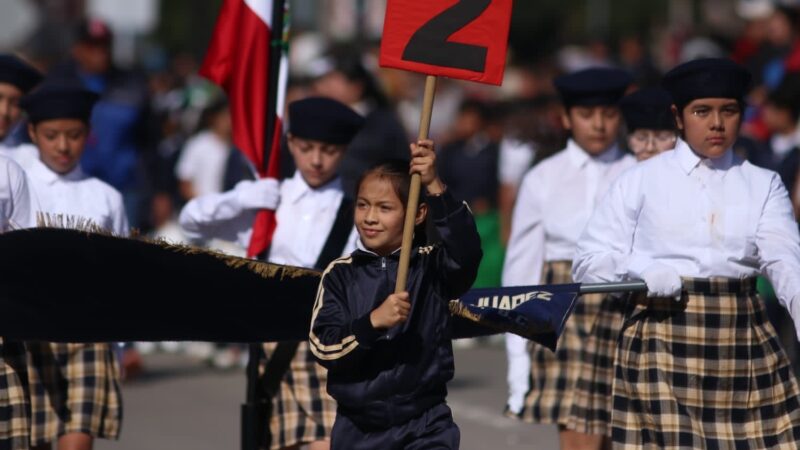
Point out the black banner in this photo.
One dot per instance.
(71, 286)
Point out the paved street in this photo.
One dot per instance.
(180, 405)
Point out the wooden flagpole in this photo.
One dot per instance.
(413, 192)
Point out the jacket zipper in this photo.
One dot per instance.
(383, 263)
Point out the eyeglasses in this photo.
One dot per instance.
(645, 137)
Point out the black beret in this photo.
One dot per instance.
(324, 119)
(59, 100)
(707, 78)
(15, 71)
(93, 31)
(595, 86)
(648, 108)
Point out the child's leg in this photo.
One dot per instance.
(75, 441)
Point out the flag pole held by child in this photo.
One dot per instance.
(413, 192)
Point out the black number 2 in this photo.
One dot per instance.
(429, 44)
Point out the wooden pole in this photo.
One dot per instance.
(413, 191)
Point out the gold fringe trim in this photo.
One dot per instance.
(69, 222)
(261, 268)
(460, 310)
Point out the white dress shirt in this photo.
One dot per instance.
(554, 203)
(305, 217)
(704, 218)
(17, 205)
(23, 154)
(78, 195)
(202, 162)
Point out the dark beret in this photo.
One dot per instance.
(93, 31)
(324, 119)
(648, 108)
(59, 100)
(18, 73)
(591, 87)
(707, 78)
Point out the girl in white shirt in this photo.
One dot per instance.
(75, 391)
(554, 203)
(698, 365)
(651, 130)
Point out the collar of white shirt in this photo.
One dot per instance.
(41, 172)
(298, 187)
(580, 158)
(689, 160)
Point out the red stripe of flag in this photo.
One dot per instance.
(238, 60)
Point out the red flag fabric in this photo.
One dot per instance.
(238, 60)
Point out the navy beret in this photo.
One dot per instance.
(707, 78)
(93, 31)
(15, 71)
(59, 100)
(591, 87)
(648, 108)
(324, 119)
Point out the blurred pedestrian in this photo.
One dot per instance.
(554, 203)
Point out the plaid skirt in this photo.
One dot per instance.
(554, 375)
(591, 407)
(15, 411)
(302, 412)
(74, 389)
(705, 372)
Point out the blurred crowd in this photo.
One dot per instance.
(161, 134)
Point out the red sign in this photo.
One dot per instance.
(464, 39)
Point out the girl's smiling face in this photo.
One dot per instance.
(380, 214)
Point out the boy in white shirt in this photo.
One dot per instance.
(314, 227)
(554, 203)
(75, 392)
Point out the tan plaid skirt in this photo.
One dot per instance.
(706, 372)
(15, 409)
(555, 375)
(74, 389)
(302, 412)
(591, 406)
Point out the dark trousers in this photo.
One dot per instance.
(433, 429)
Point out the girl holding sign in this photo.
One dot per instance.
(698, 364)
(555, 201)
(389, 355)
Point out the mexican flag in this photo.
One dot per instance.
(247, 58)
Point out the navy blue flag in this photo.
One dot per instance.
(537, 313)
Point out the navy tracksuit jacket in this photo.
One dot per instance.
(386, 378)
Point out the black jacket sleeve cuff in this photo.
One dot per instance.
(365, 333)
(441, 206)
